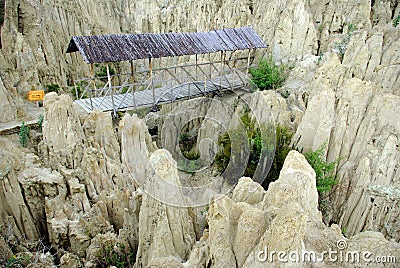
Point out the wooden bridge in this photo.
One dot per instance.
(153, 87)
(154, 92)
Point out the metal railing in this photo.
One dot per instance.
(171, 80)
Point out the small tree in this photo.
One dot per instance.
(24, 133)
(268, 75)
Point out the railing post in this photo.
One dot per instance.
(133, 83)
(248, 63)
(220, 74)
(209, 60)
(151, 80)
(205, 85)
(94, 82)
(76, 91)
(111, 90)
(93, 78)
(196, 67)
(90, 97)
(132, 74)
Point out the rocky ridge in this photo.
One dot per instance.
(81, 212)
(35, 34)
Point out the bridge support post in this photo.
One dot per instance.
(248, 63)
(111, 89)
(94, 82)
(209, 61)
(221, 73)
(151, 80)
(196, 68)
(133, 84)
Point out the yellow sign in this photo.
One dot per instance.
(36, 95)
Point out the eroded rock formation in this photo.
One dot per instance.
(357, 120)
(80, 195)
(98, 206)
(35, 33)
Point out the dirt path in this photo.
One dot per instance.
(31, 119)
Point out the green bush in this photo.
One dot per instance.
(342, 45)
(102, 72)
(53, 88)
(187, 145)
(79, 89)
(18, 261)
(109, 255)
(40, 121)
(24, 133)
(257, 145)
(283, 138)
(324, 171)
(268, 75)
(396, 21)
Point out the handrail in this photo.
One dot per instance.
(175, 79)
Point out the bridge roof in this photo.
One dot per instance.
(124, 47)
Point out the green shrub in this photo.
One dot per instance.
(79, 89)
(190, 152)
(268, 75)
(396, 21)
(342, 45)
(109, 255)
(53, 88)
(40, 121)
(102, 72)
(324, 171)
(24, 133)
(283, 138)
(18, 261)
(257, 146)
(191, 166)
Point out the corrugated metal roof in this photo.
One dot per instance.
(123, 47)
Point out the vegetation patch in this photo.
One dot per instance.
(114, 255)
(190, 162)
(324, 171)
(78, 91)
(324, 174)
(24, 134)
(53, 88)
(261, 144)
(102, 72)
(40, 122)
(268, 75)
(342, 45)
(396, 21)
(283, 138)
